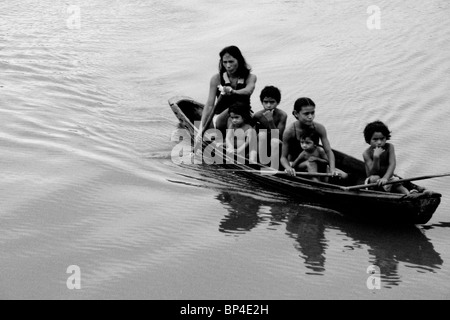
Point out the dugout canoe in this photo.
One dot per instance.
(369, 205)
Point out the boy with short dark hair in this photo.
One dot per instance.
(268, 119)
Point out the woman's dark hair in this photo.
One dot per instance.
(270, 92)
(312, 134)
(376, 126)
(243, 68)
(303, 102)
(243, 110)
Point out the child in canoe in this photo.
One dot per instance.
(268, 119)
(380, 159)
(241, 136)
(304, 112)
(313, 158)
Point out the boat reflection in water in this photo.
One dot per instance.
(314, 230)
(388, 246)
(308, 226)
(243, 212)
(308, 229)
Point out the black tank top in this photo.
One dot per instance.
(226, 101)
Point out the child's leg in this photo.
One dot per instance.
(275, 146)
(373, 179)
(309, 166)
(305, 164)
(252, 154)
(262, 147)
(400, 189)
(302, 161)
(313, 168)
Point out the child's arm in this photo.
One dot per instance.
(373, 163)
(229, 140)
(269, 121)
(368, 162)
(241, 149)
(391, 167)
(248, 139)
(327, 147)
(288, 139)
(282, 124)
(322, 157)
(299, 160)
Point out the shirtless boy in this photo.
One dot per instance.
(269, 119)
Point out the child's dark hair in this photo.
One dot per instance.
(242, 109)
(376, 126)
(270, 92)
(303, 102)
(312, 134)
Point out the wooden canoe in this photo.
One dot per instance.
(374, 206)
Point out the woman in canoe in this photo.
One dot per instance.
(233, 83)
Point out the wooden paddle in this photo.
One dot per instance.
(362, 186)
(211, 115)
(300, 173)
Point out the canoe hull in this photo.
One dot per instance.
(368, 205)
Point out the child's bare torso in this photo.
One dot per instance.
(240, 134)
(384, 160)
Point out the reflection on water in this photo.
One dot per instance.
(437, 225)
(308, 230)
(387, 247)
(243, 212)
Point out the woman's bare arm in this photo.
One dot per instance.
(326, 146)
(213, 83)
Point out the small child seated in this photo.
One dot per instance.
(313, 158)
(241, 137)
(380, 159)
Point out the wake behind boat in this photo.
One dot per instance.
(370, 205)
